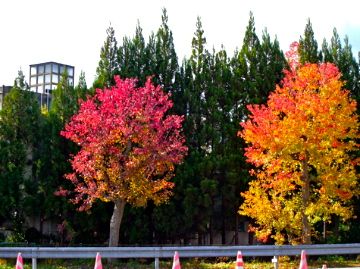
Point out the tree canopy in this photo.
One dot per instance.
(129, 147)
(301, 143)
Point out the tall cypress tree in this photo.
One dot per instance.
(166, 58)
(81, 89)
(192, 181)
(272, 63)
(350, 70)
(335, 47)
(132, 57)
(247, 67)
(150, 59)
(219, 127)
(325, 53)
(161, 63)
(156, 58)
(19, 136)
(343, 58)
(108, 63)
(257, 68)
(173, 221)
(197, 92)
(308, 47)
(64, 102)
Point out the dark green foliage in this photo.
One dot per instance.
(196, 92)
(325, 53)
(33, 160)
(272, 63)
(108, 64)
(20, 113)
(342, 57)
(11, 179)
(246, 66)
(132, 57)
(308, 48)
(257, 68)
(216, 91)
(197, 204)
(81, 90)
(19, 132)
(64, 102)
(166, 60)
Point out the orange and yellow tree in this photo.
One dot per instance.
(301, 144)
(129, 145)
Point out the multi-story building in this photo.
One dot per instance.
(44, 78)
(4, 90)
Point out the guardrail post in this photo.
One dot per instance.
(34, 255)
(157, 263)
(275, 262)
(34, 263)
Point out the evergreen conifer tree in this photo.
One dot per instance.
(81, 90)
(108, 64)
(132, 57)
(19, 137)
(247, 67)
(342, 56)
(166, 58)
(308, 47)
(64, 100)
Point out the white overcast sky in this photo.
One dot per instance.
(73, 31)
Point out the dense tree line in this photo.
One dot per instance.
(211, 88)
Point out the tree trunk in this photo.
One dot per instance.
(236, 229)
(223, 223)
(306, 230)
(211, 232)
(115, 222)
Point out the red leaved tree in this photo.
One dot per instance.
(129, 146)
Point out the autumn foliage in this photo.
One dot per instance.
(301, 144)
(129, 145)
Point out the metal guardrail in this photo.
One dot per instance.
(167, 252)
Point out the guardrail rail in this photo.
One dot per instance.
(36, 253)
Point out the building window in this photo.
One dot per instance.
(47, 78)
(71, 71)
(55, 68)
(40, 79)
(33, 70)
(32, 80)
(40, 69)
(55, 78)
(48, 68)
